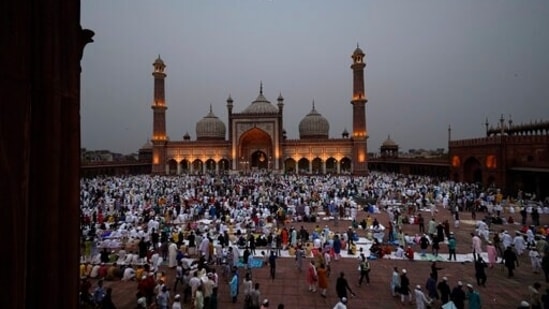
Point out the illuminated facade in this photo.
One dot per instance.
(254, 139)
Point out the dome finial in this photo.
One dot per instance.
(260, 87)
(313, 104)
(211, 108)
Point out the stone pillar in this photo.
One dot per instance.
(338, 165)
(40, 157)
(323, 166)
(178, 168)
(310, 166)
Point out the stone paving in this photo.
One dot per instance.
(290, 287)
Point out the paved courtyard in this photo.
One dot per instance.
(290, 287)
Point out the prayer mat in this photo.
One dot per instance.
(252, 263)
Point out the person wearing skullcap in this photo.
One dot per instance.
(473, 297)
(422, 301)
(444, 290)
(458, 296)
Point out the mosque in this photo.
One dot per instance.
(254, 139)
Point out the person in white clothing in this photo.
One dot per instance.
(519, 243)
(342, 304)
(422, 301)
(177, 302)
(129, 274)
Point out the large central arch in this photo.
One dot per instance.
(472, 170)
(255, 149)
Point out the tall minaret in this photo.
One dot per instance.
(159, 108)
(360, 135)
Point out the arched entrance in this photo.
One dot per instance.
(317, 166)
(303, 166)
(172, 167)
(345, 165)
(223, 165)
(259, 160)
(185, 166)
(210, 166)
(197, 166)
(331, 165)
(289, 165)
(255, 150)
(472, 171)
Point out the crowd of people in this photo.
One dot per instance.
(131, 226)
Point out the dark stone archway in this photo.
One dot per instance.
(255, 149)
(472, 170)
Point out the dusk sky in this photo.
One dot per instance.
(430, 64)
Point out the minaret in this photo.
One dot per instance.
(359, 135)
(159, 108)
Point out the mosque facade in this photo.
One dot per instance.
(254, 139)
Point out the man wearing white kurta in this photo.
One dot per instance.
(519, 243)
(172, 255)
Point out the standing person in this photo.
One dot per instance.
(163, 298)
(272, 264)
(247, 287)
(322, 280)
(431, 286)
(177, 302)
(178, 276)
(473, 297)
(364, 270)
(342, 286)
(423, 244)
(312, 276)
(233, 284)
(395, 282)
(519, 243)
(492, 254)
(458, 296)
(254, 297)
(535, 260)
(434, 270)
(299, 256)
(405, 288)
(510, 259)
(421, 300)
(476, 243)
(199, 299)
(444, 289)
(421, 223)
(480, 273)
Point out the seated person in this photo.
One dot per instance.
(375, 249)
(409, 253)
(399, 252)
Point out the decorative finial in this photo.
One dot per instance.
(357, 45)
(313, 104)
(260, 87)
(211, 108)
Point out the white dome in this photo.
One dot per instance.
(314, 125)
(261, 105)
(210, 127)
